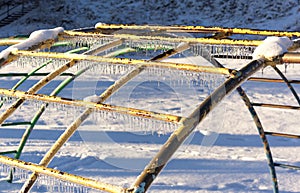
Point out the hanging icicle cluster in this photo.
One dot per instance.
(33, 62)
(19, 174)
(150, 44)
(91, 42)
(112, 121)
(7, 99)
(102, 68)
(54, 185)
(223, 51)
(176, 78)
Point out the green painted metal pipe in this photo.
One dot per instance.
(8, 152)
(15, 123)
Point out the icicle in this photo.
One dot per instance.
(7, 99)
(105, 68)
(56, 185)
(92, 42)
(123, 122)
(29, 61)
(18, 174)
(4, 169)
(237, 52)
(149, 44)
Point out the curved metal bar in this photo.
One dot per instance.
(262, 137)
(156, 165)
(256, 121)
(287, 83)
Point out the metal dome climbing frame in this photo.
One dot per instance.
(101, 45)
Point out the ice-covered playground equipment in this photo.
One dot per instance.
(105, 45)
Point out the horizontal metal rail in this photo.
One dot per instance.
(291, 57)
(15, 123)
(80, 103)
(16, 40)
(86, 182)
(289, 85)
(69, 34)
(131, 62)
(282, 135)
(15, 74)
(276, 106)
(200, 29)
(287, 166)
(9, 42)
(259, 79)
(8, 152)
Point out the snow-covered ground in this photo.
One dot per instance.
(224, 154)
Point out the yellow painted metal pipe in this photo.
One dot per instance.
(291, 57)
(86, 182)
(69, 34)
(201, 29)
(92, 105)
(126, 61)
(8, 42)
(260, 79)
